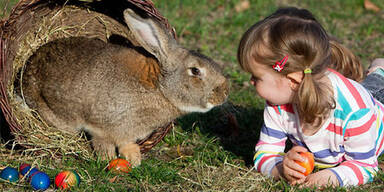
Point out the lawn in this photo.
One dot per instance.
(205, 152)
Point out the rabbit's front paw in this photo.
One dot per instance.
(104, 149)
(131, 152)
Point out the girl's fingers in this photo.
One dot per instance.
(291, 174)
(294, 166)
(290, 162)
(292, 170)
(297, 181)
(295, 156)
(308, 184)
(294, 174)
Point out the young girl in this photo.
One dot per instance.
(289, 55)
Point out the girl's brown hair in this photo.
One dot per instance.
(296, 33)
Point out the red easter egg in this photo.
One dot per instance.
(24, 165)
(119, 165)
(308, 164)
(67, 179)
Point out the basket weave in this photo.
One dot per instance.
(31, 24)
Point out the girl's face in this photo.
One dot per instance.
(270, 85)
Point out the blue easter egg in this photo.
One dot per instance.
(30, 173)
(9, 173)
(40, 181)
(24, 170)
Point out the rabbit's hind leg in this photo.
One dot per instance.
(131, 151)
(52, 119)
(34, 100)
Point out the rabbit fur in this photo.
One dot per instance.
(120, 94)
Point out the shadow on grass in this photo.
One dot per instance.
(236, 127)
(5, 131)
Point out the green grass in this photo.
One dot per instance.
(211, 155)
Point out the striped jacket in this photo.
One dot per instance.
(348, 143)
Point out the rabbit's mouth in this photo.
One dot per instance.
(201, 109)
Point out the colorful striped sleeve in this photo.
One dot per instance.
(360, 165)
(271, 144)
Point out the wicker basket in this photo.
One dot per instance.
(33, 23)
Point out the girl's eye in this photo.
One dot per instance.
(195, 71)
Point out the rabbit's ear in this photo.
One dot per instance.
(149, 33)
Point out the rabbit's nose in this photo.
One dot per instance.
(220, 93)
(225, 86)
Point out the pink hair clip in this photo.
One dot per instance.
(279, 65)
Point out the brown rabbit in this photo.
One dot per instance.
(120, 94)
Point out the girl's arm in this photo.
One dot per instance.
(360, 160)
(269, 150)
(270, 155)
(360, 135)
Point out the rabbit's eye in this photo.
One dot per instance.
(195, 71)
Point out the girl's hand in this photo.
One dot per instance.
(292, 171)
(322, 178)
